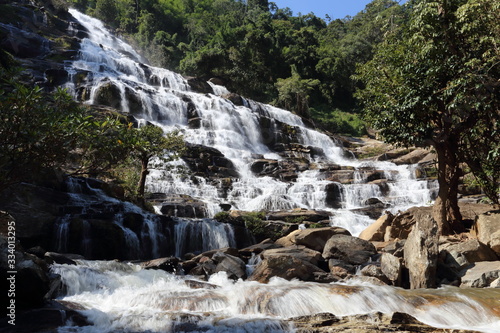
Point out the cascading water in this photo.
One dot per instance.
(164, 98)
(122, 297)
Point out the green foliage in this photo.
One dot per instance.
(50, 131)
(336, 121)
(261, 51)
(293, 93)
(255, 223)
(223, 217)
(433, 83)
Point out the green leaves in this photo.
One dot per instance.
(437, 83)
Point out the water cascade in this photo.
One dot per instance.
(261, 158)
(124, 298)
(243, 136)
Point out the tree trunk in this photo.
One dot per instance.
(142, 180)
(446, 211)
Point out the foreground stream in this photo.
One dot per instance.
(120, 297)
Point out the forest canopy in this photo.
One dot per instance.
(300, 62)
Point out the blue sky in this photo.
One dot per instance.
(334, 8)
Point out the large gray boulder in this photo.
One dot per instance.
(233, 266)
(461, 254)
(352, 250)
(421, 253)
(285, 266)
(482, 274)
(487, 230)
(299, 252)
(392, 268)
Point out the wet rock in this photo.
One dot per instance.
(375, 272)
(232, 265)
(352, 250)
(365, 323)
(482, 275)
(421, 253)
(30, 282)
(58, 258)
(286, 267)
(334, 195)
(313, 238)
(487, 230)
(183, 206)
(300, 215)
(199, 85)
(47, 319)
(169, 264)
(108, 94)
(208, 162)
(234, 98)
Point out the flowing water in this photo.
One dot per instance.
(124, 298)
(164, 98)
(120, 297)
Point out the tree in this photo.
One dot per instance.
(41, 131)
(148, 142)
(294, 93)
(436, 84)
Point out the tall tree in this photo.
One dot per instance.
(434, 86)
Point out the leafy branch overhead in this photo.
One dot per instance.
(44, 131)
(435, 83)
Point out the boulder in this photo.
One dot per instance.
(286, 267)
(375, 322)
(30, 282)
(300, 215)
(458, 255)
(415, 156)
(208, 162)
(391, 267)
(376, 231)
(352, 250)
(300, 252)
(421, 253)
(487, 230)
(109, 94)
(481, 275)
(232, 265)
(168, 264)
(234, 98)
(313, 238)
(334, 194)
(183, 206)
(403, 223)
(374, 271)
(199, 85)
(395, 248)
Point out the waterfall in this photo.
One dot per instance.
(242, 134)
(197, 236)
(123, 297)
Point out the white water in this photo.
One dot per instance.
(238, 134)
(122, 297)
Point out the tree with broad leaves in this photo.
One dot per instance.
(436, 83)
